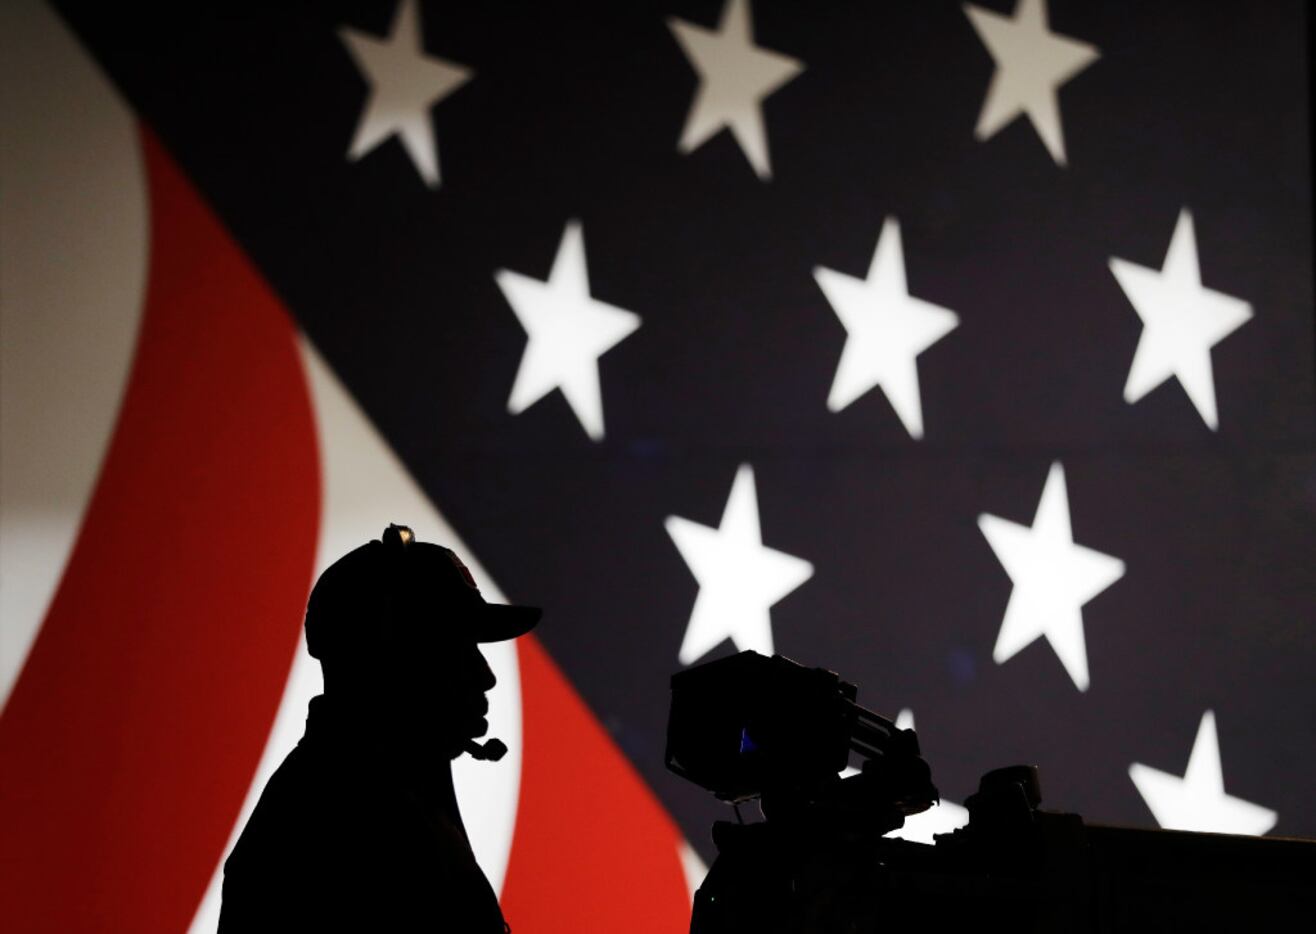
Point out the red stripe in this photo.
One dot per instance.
(593, 849)
(134, 730)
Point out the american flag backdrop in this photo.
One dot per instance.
(965, 349)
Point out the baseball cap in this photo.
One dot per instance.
(414, 591)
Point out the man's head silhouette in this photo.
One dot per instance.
(396, 625)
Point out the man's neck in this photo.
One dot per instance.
(392, 746)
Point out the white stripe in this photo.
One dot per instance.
(73, 225)
(692, 866)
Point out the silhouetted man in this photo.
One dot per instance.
(359, 829)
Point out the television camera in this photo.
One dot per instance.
(750, 727)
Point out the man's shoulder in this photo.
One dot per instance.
(281, 814)
(317, 805)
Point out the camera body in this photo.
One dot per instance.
(751, 726)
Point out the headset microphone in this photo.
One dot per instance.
(489, 751)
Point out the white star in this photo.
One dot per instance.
(404, 84)
(1198, 800)
(886, 328)
(1181, 322)
(739, 579)
(734, 77)
(942, 817)
(1053, 578)
(568, 331)
(1031, 64)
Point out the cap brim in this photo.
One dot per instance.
(498, 622)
